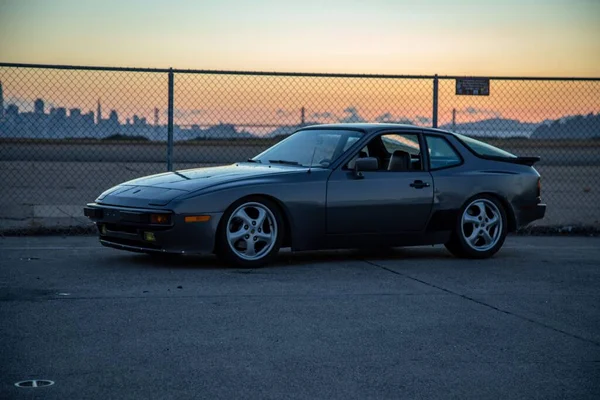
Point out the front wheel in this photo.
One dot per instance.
(480, 230)
(251, 233)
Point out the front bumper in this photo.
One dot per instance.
(128, 229)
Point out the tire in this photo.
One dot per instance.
(480, 229)
(250, 233)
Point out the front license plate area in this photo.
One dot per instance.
(136, 217)
(95, 213)
(111, 215)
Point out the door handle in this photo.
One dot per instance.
(419, 184)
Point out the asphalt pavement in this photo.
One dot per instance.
(411, 323)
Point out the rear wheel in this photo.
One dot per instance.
(250, 234)
(480, 230)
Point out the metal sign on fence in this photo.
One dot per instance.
(473, 87)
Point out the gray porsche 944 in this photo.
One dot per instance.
(330, 186)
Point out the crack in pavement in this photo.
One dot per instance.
(471, 299)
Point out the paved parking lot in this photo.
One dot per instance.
(409, 323)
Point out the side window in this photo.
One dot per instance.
(403, 142)
(395, 152)
(402, 152)
(441, 153)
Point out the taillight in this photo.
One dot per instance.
(539, 187)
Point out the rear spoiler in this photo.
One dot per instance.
(526, 160)
(515, 160)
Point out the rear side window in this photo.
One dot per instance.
(483, 149)
(441, 153)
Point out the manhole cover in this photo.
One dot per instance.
(34, 383)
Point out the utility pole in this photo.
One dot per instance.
(1, 102)
(171, 82)
(453, 118)
(434, 117)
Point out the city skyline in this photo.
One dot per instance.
(241, 99)
(72, 123)
(206, 98)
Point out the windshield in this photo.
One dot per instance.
(483, 149)
(310, 148)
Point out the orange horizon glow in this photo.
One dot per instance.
(211, 99)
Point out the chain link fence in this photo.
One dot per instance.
(69, 133)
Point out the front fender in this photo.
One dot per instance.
(303, 199)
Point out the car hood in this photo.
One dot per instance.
(158, 190)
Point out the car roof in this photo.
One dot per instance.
(369, 127)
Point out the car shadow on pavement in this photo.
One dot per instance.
(289, 258)
(397, 253)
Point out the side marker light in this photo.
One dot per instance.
(197, 218)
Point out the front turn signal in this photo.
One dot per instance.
(197, 218)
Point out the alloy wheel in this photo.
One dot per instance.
(481, 225)
(251, 231)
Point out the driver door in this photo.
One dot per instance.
(385, 201)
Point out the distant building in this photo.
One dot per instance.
(113, 117)
(59, 113)
(12, 110)
(111, 126)
(89, 119)
(139, 121)
(12, 113)
(38, 106)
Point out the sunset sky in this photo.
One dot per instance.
(459, 37)
(467, 37)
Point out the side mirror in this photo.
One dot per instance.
(365, 164)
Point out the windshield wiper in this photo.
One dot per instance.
(284, 162)
(254, 161)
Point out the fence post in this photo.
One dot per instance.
(170, 123)
(434, 117)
